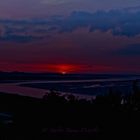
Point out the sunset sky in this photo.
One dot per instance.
(70, 36)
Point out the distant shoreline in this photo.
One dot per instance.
(29, 88)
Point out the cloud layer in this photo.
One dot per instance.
(119, 22)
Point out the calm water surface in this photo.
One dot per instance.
(89, 88)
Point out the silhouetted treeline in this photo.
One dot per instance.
(66, 116)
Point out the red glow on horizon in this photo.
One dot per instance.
(62, 68)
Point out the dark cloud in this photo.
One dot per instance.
(121, 23)
(22, 31)
(124, 22)
(19, 38)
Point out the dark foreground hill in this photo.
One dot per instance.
(66, 117)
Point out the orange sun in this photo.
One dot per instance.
(59, 68)
(64, 69)
(63, 72)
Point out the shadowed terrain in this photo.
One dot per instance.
(66, 116)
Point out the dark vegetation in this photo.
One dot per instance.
(65, 116)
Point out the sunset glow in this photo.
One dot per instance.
(70, 36)
(62, 68)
